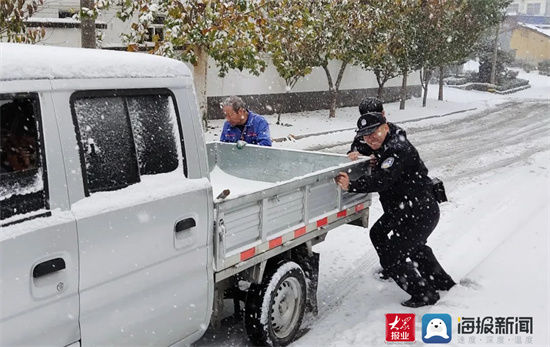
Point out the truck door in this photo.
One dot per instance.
(38, 244)
(142, 223)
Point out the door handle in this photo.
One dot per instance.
(48, 267)
(185, 224)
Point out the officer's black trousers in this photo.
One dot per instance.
(410, 228)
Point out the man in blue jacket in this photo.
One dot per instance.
(242, 124)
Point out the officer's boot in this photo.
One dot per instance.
(431, 270)
(382, 274)
(442, 281)
(422, 293)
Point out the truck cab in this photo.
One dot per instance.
(106, 206)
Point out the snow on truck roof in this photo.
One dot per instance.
(22, 62)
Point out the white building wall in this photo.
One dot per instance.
(51, 8)
(62, 37)
(522, 7)
(269, 82)
(70, 37)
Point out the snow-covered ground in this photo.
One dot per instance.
(492, 236)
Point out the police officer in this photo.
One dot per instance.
(411, 212)
(359, 147)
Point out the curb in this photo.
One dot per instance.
(513, 90)
(291, 137)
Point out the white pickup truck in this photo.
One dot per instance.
(111, 232)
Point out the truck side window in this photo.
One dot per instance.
(106, 143)
(155, 132)
(125, 135)
(22, 164)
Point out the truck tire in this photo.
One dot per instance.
(275, 308)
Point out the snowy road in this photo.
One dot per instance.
(481, 142)
(492, 236)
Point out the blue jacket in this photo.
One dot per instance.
(256, 131)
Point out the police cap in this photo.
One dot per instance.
(369, 122)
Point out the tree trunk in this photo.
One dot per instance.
(380, 93)
(426, 75)
(333, 88)
(381, 81)
(495, 53)
(403, 94)
(87, 26)
(337, 88)
(424, 96)
(333, 101)
(200, 74)
(441, 70)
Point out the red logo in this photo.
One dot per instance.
(400, 327)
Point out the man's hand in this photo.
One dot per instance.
(342, 180)
(353, 155)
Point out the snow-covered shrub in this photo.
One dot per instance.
(544, 67)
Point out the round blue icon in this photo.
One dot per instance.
(436, 328)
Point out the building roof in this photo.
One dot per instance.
(46, 22)
(530, 19)
(543, 29)
(21, 61)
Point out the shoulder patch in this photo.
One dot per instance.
(386, 164)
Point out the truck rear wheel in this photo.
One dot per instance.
(274, 309)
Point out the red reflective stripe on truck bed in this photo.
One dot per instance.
(299, 232)
(290, 235)
(249, 253)
(276, 242)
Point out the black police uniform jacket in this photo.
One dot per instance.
(399, 176)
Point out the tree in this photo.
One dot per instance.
(375, 47)
(447, 30)
(226, 31)
(342, 35)
(290, 38)
(435, 32)
(89, 11)
(302, 35)
(87, 24)
(405, 17)
(486, 68)
(469, 20)
(13, 14)
(384, 68)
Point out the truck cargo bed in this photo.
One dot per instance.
(276, 195)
